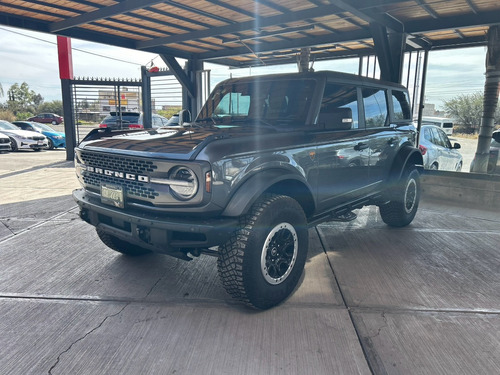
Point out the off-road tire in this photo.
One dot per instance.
(263, 261)
(123, 247)
(404, 199)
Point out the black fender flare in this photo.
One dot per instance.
(252, 188)
(407, 155)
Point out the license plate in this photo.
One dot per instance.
(112, 195)
(40, 142)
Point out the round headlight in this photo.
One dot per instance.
(183, 183)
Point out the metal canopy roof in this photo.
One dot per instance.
(244, 32)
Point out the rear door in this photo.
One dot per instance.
(387, 118)
(341, 155)
(448, 158)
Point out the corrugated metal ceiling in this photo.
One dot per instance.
(245, 32)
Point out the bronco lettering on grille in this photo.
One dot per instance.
(117, 174)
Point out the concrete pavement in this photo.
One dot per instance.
(418, 300)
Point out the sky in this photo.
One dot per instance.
(31, 57)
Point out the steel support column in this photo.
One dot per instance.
(390, 48)
(147, 111)
(188, 78)
(69, 121)
(66, 75)
(192, 102)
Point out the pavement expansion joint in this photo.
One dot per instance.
(39, 222)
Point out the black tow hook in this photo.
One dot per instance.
(84, 215)
(143, 234)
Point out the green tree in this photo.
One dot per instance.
(22, 99)
(55, 106)
(467, 110)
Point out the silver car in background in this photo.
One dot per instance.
(437, 150)
(4, 143)
(22, 139)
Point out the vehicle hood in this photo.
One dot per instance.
(21, 133)
(2, 135)
(162, 141)
(174, 142)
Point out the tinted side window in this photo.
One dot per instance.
(428, 135)
(375, 107)
(339, 107)
(436, 138)
(443, 138)
(401, 105)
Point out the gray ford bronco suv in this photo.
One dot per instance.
(266, 158)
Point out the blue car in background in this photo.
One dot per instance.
(55, 139)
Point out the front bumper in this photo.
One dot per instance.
(58, 143)
(158, 233)
(31, 145)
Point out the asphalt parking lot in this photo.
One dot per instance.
(373, 300)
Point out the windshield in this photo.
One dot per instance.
(276, 102)
(40, 126)
(7, 126)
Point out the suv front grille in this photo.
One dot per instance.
(118, 163)
(122, 164)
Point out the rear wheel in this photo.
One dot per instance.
(404, 199)
(263, 261)
(119, 245)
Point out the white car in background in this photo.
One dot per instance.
(23, 139)
(4, 143)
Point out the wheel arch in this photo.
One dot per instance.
(407, 155)
(275, 181)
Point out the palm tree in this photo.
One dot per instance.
(490, 100)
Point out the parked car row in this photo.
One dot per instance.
(55, 139)
(29, 135)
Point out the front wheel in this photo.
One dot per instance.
(13, 144)
(263, 261)
(404, 199)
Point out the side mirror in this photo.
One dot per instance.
(457, 146)
(184, 116)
